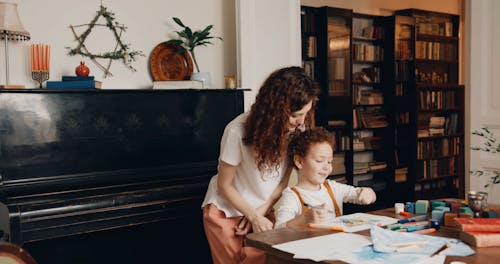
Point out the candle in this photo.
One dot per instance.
(32, 53)
(48, 57)
(43, 57)
(40, 57)
(37, 57)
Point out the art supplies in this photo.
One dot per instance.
(356, 222)
(318, 207)
(413, 219)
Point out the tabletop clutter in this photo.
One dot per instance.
(406, 240)
(478, 226)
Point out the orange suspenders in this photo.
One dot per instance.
(330, 192)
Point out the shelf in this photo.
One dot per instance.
(366, 62)
(446, 177)
(371, 40)
(370, 172)
(369, 128)
(440, 110)
(368, 105)
(436, 38)
(367, 150)
(439, 136)
(439, 85)
(366, 84)
(438, 158)
(428, 61)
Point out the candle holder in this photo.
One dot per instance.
(40, 76)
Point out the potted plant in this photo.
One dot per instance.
(188, 41)
(490, 145)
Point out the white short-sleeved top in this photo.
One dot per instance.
(289, 206)
(254, 186)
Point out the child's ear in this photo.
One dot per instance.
(298, 161)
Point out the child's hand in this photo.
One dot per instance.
(366, 196)
(316, 215)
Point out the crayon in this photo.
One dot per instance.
(334, 228)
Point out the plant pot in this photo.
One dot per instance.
(203, 77)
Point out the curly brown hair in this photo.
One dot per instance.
(301, 142)
(285, 91)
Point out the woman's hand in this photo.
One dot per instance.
(260, 223)
(316, 215)
(243, 228)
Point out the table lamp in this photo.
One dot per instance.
(10, 29)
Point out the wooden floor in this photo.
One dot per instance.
(152, 243)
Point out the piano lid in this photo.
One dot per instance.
(45, 133)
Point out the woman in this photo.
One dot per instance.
(252, 170)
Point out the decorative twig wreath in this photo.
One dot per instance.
(121, 51)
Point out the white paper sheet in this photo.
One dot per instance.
(324, 247)
(358, 222)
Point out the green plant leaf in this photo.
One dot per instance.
(190, 39)
(178, 21)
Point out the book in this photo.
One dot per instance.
(479, 224)
(71, 84)
(67, 78)
(177, 85)
(480, 239)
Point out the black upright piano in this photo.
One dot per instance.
(82, 164)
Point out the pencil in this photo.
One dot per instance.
(334, 228)
(443, 248)
(318, 207)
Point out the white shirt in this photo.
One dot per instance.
(253, 185)
(289, 206)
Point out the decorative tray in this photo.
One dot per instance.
(168, 64)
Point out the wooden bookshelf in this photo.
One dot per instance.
(390, 95)
(427, 56)
(349, 69)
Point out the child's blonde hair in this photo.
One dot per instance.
(302, 142)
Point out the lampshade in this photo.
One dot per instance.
(10, 24)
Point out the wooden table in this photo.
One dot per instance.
(265, 241)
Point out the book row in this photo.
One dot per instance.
(428, 50)
(438, 148)
(370, 117)
(431, 99)
(431, 169)
(367, 52)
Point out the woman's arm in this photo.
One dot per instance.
(275, 196)
(226, 188)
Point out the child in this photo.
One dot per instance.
(315, 199)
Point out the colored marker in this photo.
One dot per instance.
(334, 228)
(405, 214)
(425, 231)
(413, 219)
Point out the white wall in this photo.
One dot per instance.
(268, 39)
(148, 24)
(483, 79)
